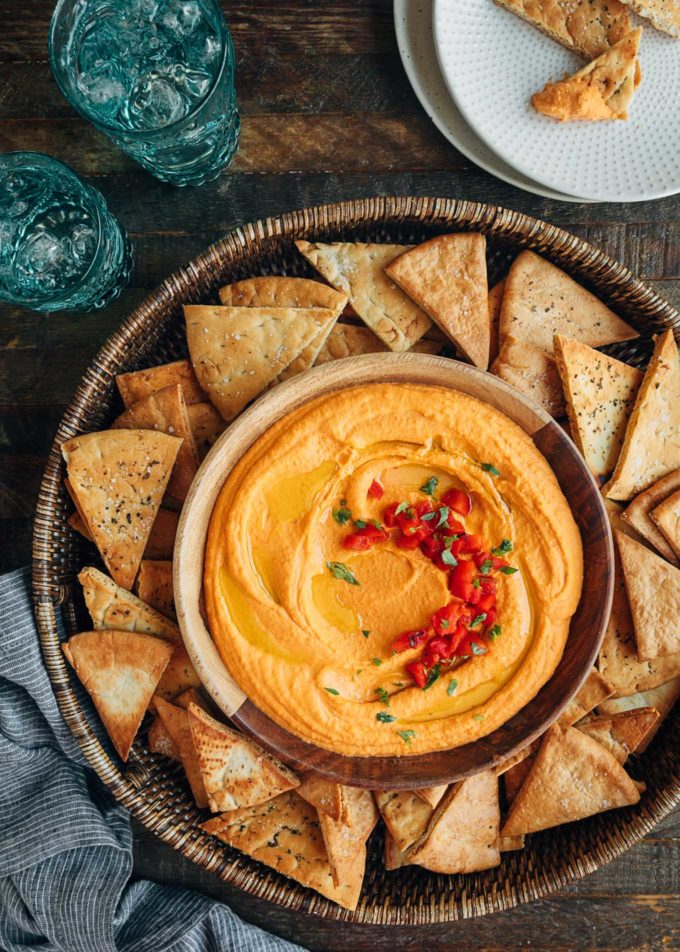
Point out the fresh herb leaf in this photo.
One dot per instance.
(477, 649)
(477, 620)
(365, 632)
(448, 558)
(508, 570)
(444, 623)
(432, 677)
(378, 525)
(376, 661)
(342, 516)
(402, 507)
(407, 736)
(428, 516)
(383, 696)
(478, 717)
(360, 524)
(332, 691)
(430, 487)
(476, 582)
(385, 718)
(443, 516)
(490, 468)
(495, 632)
(341, 571)
(451, 690)
(503, 548)
(486, 567)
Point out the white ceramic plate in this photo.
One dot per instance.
(492, 62)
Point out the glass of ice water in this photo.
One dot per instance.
(60, 246)
(157, 76)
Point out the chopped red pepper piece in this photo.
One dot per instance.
(486, 602)
(410, 639)
(365, 538)
(445, 618)
(417, 672)
(436, 650)
(375, 490)
(390, 515)
(460, 580)
(458, 500)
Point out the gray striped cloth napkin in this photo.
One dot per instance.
(66, 845)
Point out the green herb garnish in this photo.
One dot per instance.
(476, 582)
(402, 507)
(490, 468)
(508, 570)
(376, 661)
(407, 736)
(429, 488)
(478, 717)
(341, 571)
(332, 691)
(432, 677)
(451, 690)
(443, 516)
(503, 548)
(383, 696)
(448, 558)
(342, 516)
(477, 620)
(428, 516)
(360, 524)
(477, 649)
(486, 567)
(365, 632)
(495, 632)
(384, 717)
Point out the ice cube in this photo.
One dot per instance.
(102, 85)
(155, 101)
(42, 255)
(84, 241)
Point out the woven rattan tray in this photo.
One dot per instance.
(149, 785)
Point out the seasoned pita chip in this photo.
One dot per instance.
(572, 777)
(653, 589)
(348, 340)
(236, 772)
(603, 89)
(495, 304)
(160, 742)
(238, 351)
(166, 412)
(541, 301)
(621, 733)
(639, 513)
(600, 394)
(345, 841)
(357, 271)
(531, 371)
(206, 425)
(326, 796)
(154, 586)
(446, 277)
(651, 448)
(406, 815)
(119, 477)
(161, 541)
(176, 722)
(592, 692)
(662, 14)
(432, 795)
(120, 671)
(113, 607)
(280, 291)
(285, 834)
(306, 358)
(661, 698)
(393, 856)
(142, 383)
(588, 27)
(179, 675)
(463, 835)
(667, 517)
(514, 777)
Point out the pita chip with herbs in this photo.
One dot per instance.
(406, 815)
(176, 722)
(532, 371)
(154, 586)
(344, 840)
(328, 797)
(621, 733)
(639, 514)
(113, 607)
(653, 589)
(206, 425)
(138, 384)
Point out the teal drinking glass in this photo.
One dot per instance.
(157, 76)
(60, 246)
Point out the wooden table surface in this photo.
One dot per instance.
(327, 114)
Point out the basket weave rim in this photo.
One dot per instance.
(50, 592)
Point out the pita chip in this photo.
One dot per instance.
(508, 844)
(238, 351)
(120, 671)
(661, 698)
(349, 340)
(285, 834)
(531, 371)
(432, 795)
(518, 773)
(667, 517)
(592, 692)
(357, 270)
(113, 607)
(585, 28)
(154, 586)
(139, 384)
(345, 841)
(653, 589)
(176, 723)
(191, 696)
(540, 301)
(600, 394)
(206, 425)
(236, 772)
(651, 448)
(639, 513)
(621, 733)
(326, 796)
(160, 742)
(393, 856)
(572, 777)
(664, 15)
(495, 303)
(446, 277)
(601, 90)
(463, 835)
(77, 523)
(406, 815)
(166, 412)
(280, 291)
(119, 477)
(161, 541)
(179, 675)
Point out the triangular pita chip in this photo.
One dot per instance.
(357, 270)
(495, 304)
(166, 412)
(406, 815)
(591, 693)
(113, 607)
(161, 541)
(621, 733)
(393, 856)
(344, 841)
(651, 448)
(179, 675)
(531, 371)
(600, 394)
(653, 589)
(514, 776)
(446, 277)
(119, 477)
(586, 28)
(572, 777)
(236, 772)
(463, 835)
(662, 14)
(667, 517)
(176, 723)
(281, 291)
(139, 384)
(432, 795)
(638, 513)
(349, 340)
(541, 301)
(305, 359)
(603, 89)
(238, 351)
(661, 698)
(154, 586)
(160, 742)
(328, 797)
(206, 425)
(284, 834)
(120, 671)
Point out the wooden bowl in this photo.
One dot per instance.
(587, 625)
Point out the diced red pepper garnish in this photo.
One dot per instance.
(390, 515)
(458, 500)
(365, 538)
(436, 650)
(375, 490)
(497, 563)
(460, 579)
(490, 619)
(486, 602)
(472, 543)
(445, 618)
(417, 672)
(487, 584)
(410, 639)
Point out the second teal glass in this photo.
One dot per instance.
(157, 76)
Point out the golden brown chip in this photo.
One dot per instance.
(206, 425)
(345, 840)
(349, 340)
(661, 698)
(113, 607)
(154, 586)
(393, 856)
(432, 795)
(591, 693)
(662, 14)
(176, 722)
(325, 795)
(622, 733)
(179, 675)
(161, 541)
(141, 383)
(532, 372)
(588, 27)
(638, 513)
(653, 589)
(667, 517)
(279, 291)
(495, 304)
(160, 742)
(406, 815)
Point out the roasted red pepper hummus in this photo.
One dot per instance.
(391, 570)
